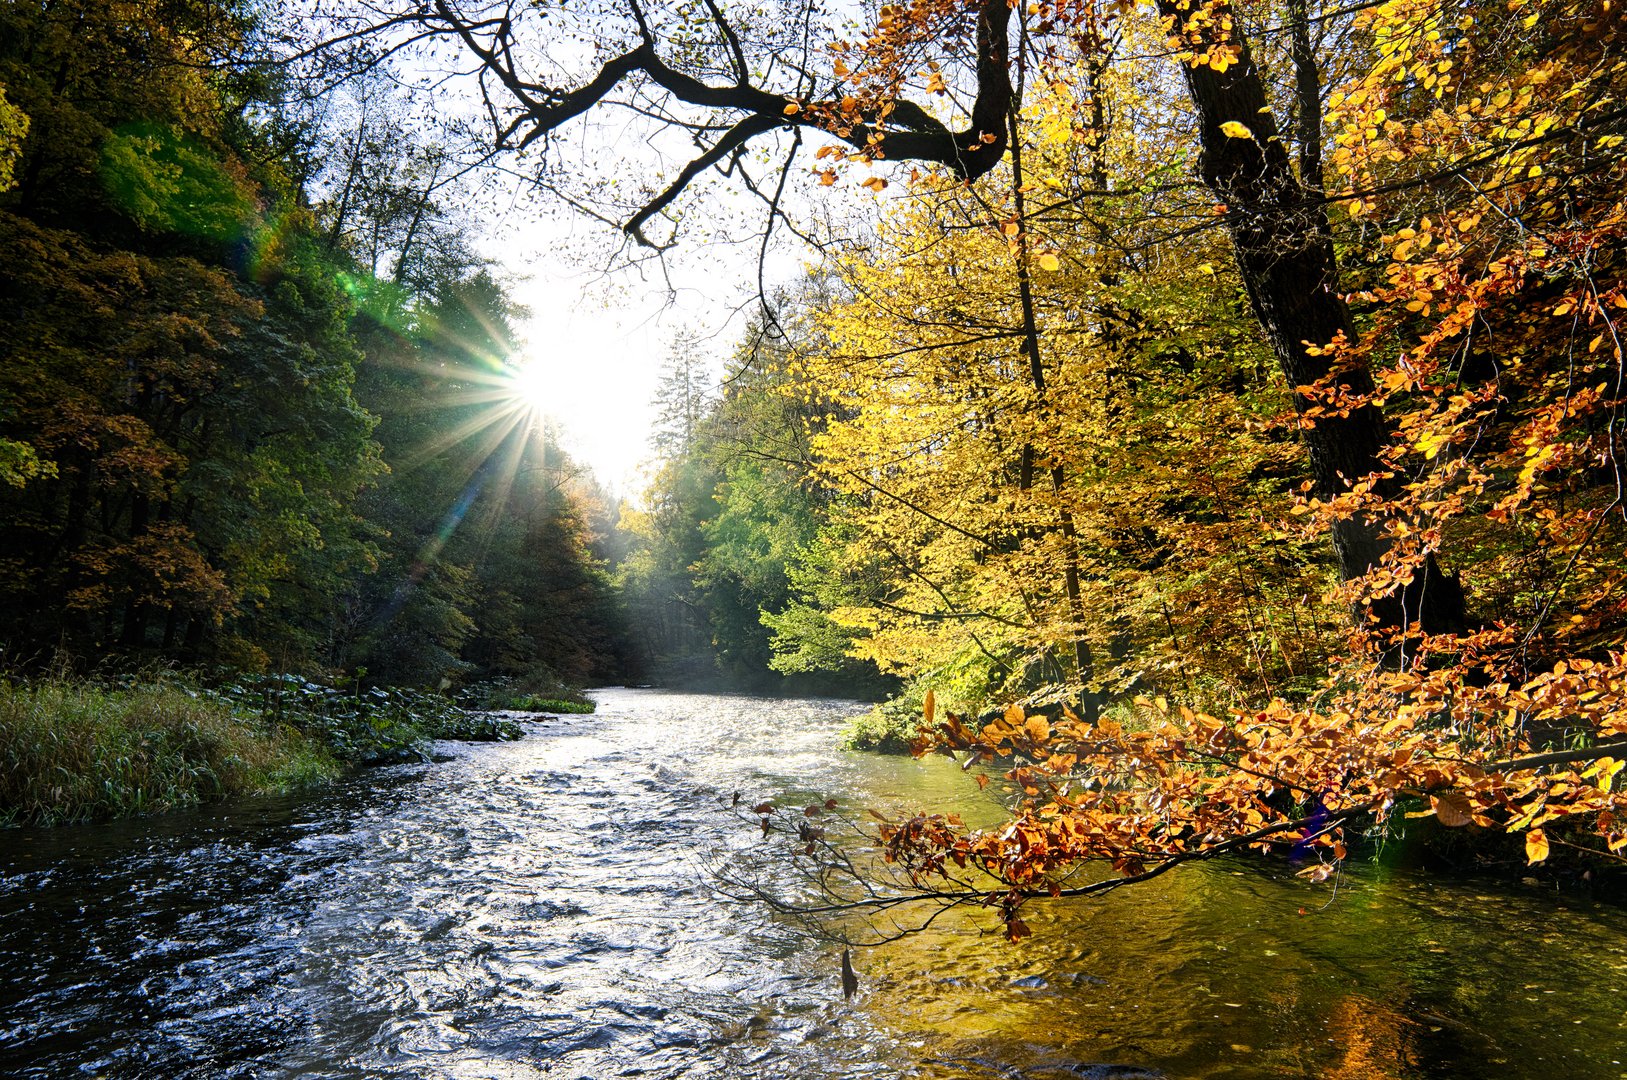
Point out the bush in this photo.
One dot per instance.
(550, 705)
(889, 728)
(535, 694)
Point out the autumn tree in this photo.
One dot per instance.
(1423, 222)
(154, 300)
(1487, 289)
(202, 330)
(687, 67)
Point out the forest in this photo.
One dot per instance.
(1204, 418)
(1194, 428)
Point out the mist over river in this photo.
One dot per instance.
(540, 909)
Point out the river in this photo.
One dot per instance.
(541, 909)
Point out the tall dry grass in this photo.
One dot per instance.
(74, 751)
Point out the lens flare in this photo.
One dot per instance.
(529, 386)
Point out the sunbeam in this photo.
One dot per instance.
(498, 423)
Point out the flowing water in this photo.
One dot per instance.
(541, 909)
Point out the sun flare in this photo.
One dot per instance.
(528, 386)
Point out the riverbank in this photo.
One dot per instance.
(75, 750)
(78, 752)
(538, 904)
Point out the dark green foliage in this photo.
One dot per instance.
(361, 724)
(235, 427)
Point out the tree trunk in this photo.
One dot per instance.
(1284, 247)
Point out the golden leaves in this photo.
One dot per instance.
(1536, 846)
(1491, 326)
(1038, 729)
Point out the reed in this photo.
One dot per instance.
(75, 751)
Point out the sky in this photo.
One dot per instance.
(602, 338)
(600, 347)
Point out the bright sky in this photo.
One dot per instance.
(600, 341)
(598, 352)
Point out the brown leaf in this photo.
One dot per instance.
(1453, 809)
(850, 981)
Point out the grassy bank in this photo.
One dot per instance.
(78, 752)
(539, 692)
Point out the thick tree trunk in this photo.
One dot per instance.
(1284, 247)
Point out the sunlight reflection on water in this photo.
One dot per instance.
(537, 909)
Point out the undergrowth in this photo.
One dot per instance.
(540, 692)
(77, 750)
(72, 751)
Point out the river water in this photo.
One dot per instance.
(542, 909)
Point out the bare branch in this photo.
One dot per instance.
(732, 140)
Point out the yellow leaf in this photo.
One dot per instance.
(1536, 846)
(1050, 262)
(792, 108)
(1431, 443)
(1234, 130)
(875, 183)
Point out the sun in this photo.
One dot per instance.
(529, 386)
